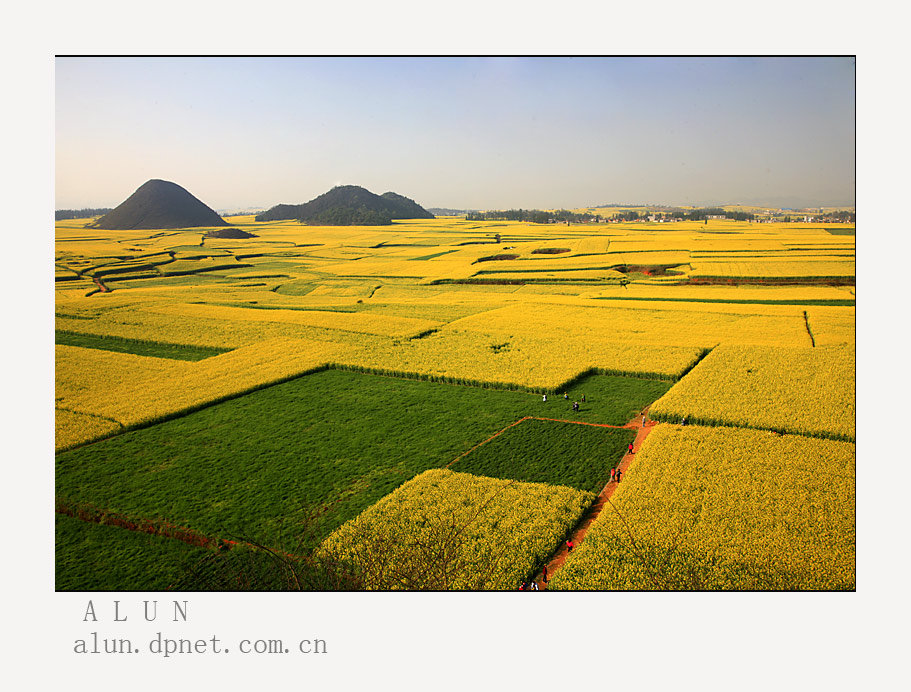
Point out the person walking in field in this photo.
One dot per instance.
(643, 421)
(545, 398)
(630, 448)
(583, 398)
(613, 472)
(534, 586)
(618, 474)
(544, 574)
(569, 545)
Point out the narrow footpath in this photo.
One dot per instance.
(558, 558)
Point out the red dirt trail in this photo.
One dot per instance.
(558, 558)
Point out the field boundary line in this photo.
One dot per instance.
(484, 442)
(157, 527)
(779, 430)
(806, 321)
(90, 415)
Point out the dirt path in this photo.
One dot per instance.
(155, 527)
(558, 558)
(484, 442)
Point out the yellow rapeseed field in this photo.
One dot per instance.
(444, 530)
(171, 324)
(831, 325)
(71, 428)
(795, 390)
(708, 509)
(543, 363)
(370, 298)
(702, 325)
(361, 322)
(721, 294)
(774, 269)
(601, 275)
(134, 390)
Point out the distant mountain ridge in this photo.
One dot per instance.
(159, 204)
(349, 205)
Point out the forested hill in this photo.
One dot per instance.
(408, 208)
(349, 205)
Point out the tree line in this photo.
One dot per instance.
(563, 216)
(63, 214)
(842, 216)
(533, 216)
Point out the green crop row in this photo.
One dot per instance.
(137, 347)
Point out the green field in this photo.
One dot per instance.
(537, 451)
(610, 399)
(92, 557)
(330, 443)
(137, 347)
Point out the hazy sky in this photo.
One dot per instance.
(478, 133)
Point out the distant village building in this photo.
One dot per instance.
(715, 216)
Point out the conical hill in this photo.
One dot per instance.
(160, 204)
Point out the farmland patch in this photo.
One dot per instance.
(543, 451)
(95, 557)
(138, 347)
(789, 390)
(711, 509)
(334, 440)
(455, 531)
